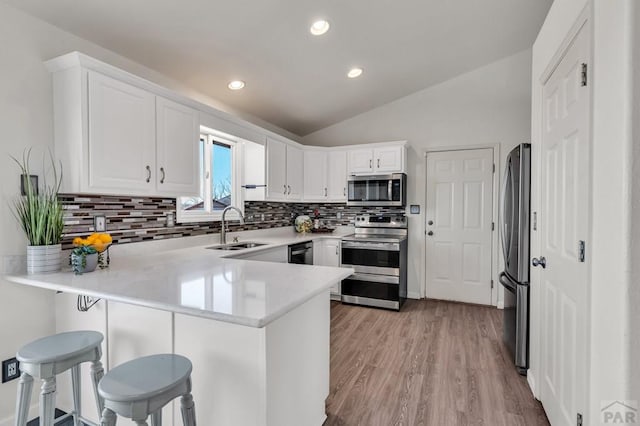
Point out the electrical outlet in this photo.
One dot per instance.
(171, 220)
(100, 223)
(10, 369)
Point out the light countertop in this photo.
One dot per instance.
(183, 276)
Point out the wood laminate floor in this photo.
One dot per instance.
(435, 363)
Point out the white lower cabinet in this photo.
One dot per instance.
(277, 375)
(68, 318)
(130, 332)
(135, 331)
(326, 252)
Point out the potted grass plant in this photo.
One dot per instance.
(39, 213)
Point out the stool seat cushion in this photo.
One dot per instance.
(144, 378)
(59, 347)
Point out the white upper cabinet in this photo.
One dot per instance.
(377, 160)
(325, 175)
(337, 176)
(295, 173)
(122, 136)
(116, 133)
(114, 137)
(178, 131)
(389, 159)
(360, 161)
(315, 175)
(285, 165)
(276, 170)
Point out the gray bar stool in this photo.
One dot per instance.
(140, 388)
(49, 356)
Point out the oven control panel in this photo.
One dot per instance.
(381, 221)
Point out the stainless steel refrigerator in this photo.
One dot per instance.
(515, 202)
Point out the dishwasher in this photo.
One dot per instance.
(301, 253)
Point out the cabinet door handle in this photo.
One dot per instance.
(378, 163)
(344, 192)
(325, 192)
(285, 189)
(163, 174)
(337, 252)
(370, 164)
(289, 193)
(148, 174)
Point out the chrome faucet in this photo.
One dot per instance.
(223, 230)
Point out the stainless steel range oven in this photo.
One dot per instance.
(377, 252)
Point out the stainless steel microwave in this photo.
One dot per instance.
(377, 190)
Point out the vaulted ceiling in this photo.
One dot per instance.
(293, 79)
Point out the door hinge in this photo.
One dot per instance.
(494, 167)
(584, 75)
(579, 420)
(493, 226)
(491, 283)
(581, 250)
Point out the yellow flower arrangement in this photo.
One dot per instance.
(98, 241)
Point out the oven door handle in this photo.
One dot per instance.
(298, 252)
(375, 278)
(370, 246)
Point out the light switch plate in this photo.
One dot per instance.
(100, 223)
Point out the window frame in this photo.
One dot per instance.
(237, 195)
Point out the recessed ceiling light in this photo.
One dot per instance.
(354, 72)
(236, 85)
(319, 27)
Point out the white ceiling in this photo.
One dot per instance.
(295, 80)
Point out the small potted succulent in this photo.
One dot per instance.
(88, 253)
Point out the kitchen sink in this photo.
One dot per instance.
(236, 246)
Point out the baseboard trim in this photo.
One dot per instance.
(34, 415)
(532, 384)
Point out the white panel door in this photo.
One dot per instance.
(563, 222)
(315, 175)
(122, 137)
(295, 173)
(337, 176)
(178, 133)
(388, 159)
(459, 217)
(276, 170)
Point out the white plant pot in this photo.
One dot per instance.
(43, 259)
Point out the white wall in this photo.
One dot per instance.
(634, 291)
(609, 245)
(26, 120)
(487, 106)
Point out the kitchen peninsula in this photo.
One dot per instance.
(256, 332)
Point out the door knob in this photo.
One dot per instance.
(539, 262)
(430, 233)
(430, 223)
